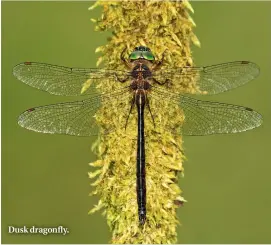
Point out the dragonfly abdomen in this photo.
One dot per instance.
(140, 173)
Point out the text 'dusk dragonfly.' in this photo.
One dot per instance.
(144, 81)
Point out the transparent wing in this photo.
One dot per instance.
(60, 80)
(72, 118)
(205, 117)
(213, 79)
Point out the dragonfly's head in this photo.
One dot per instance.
(142, 52)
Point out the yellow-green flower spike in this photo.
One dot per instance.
(166, 28)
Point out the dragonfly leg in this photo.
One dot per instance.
(149, 108)
(158, 65)
(121, 80)
(168, 82)
(131, 108)
(126, 63)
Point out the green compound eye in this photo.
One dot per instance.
(148, 55)
(139, 54)
(135, 55)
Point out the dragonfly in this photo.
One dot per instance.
(143, 80)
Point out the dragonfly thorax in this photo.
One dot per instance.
(140, 85)
(141, 70)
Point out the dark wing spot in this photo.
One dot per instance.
(27, 63)
(178, 203)
(244, 62)
(248, 109)
(31, 109)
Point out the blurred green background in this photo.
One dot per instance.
(44, 177)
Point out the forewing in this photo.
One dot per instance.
(72, 118)
(213, 79)
(205, 117)
(60, 80)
